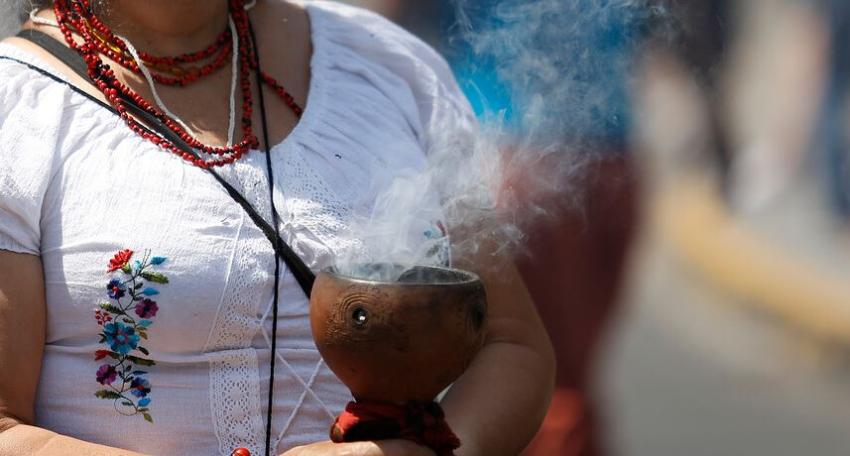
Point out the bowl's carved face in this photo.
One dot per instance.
(362, 320)
(397, 342)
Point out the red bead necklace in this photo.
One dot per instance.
(97, 40)
(116, 50)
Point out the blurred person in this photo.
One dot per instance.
(717, 286)
(774, 78)
(756, 66)
(698, 40)
(104, 204)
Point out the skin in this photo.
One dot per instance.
(507, 387)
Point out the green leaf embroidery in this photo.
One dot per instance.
(107, 394)
(140, 361)
(155, 277)
(111, 309)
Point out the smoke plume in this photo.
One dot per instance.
(562, 69)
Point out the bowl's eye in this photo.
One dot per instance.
(360, 316)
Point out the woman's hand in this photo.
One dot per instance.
(379, 448)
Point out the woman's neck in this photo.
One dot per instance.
(167, 27)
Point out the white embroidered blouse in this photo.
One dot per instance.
(77, 186)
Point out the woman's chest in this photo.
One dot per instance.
(213, 277)
(152, 253)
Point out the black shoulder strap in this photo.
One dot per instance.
(302, 273)
(57, 49)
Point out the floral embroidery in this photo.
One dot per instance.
(125, 323)
(120, 260)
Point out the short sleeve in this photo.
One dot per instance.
(26, 161)
(411, 71)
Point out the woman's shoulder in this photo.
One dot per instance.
(42, 120)
(31, 91)
(30, 104)
(369, 46)
(364, 26)
(354, 19)
(374, 38)
(18, 73)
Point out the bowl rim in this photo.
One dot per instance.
(470, 277)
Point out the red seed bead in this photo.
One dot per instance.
(241, 452)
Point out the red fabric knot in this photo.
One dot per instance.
(422, 423)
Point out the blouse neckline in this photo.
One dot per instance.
(315, 92)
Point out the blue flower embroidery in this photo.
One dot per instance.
(125, 324)
(140, 387)
(120, 337)
(115, 289)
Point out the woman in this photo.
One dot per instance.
(96, 210)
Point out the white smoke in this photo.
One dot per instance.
(561, 62)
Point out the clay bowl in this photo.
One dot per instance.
(398, 341)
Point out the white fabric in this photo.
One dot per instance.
(76, 186)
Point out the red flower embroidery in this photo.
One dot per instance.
(102, 316)
(100, 354)
(119, 260)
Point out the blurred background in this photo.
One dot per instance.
(693, 271)
(697, 283)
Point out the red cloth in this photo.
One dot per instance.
(422, 423)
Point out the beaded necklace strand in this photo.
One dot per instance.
(76, 16)
(151, 78)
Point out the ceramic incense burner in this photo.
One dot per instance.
(398, 341)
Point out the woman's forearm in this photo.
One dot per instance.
(497, 406)
(20, 439)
